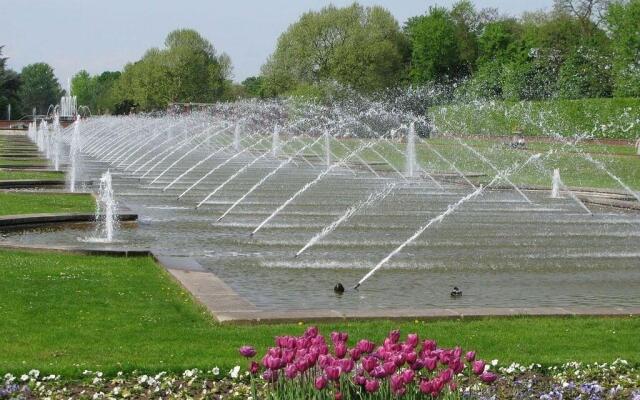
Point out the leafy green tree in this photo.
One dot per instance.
(39, 88)
(435, 54)
(186, 70)
(586, 73)
(9, 84)
(362, 47)
(254, 86)
(83, 86)
(622, 19)
(105, 97)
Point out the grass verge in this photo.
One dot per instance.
(8, 175)
(15, 203)
(64, 313)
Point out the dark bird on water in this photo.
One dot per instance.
(456, 292)
(338, 288)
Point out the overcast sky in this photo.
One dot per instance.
(104, 35)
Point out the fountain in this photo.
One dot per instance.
(107, 207)
(236, 137)
(57, 142)
(411, 150)
(74, 155)
(555, 184)
(275, 140)
(327, 148)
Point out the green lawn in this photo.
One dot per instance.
(13, 203)
(64, 313)
(6, 175)
(5, 162)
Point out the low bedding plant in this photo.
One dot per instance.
(307, 367)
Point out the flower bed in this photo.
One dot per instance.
(309, 367)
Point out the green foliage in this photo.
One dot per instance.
(357, 46)
(622, 18)
(603, 118)
(186, 70)
(434, 47)
(9, 84)
(83, 86)
(586, 73)
(39, 88)
(255, 86)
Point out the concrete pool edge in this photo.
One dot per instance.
(228, 307)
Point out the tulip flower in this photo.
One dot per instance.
(366, 346)
(338, 396)
(311, 332)
(389, 368)
(339, 337)
(371, 386)
(425, 386)
(478, 367)
(355, 353)
(394, 336)
(359, 379)
(291, 371)
(407, 376)
(397, 383)
(320, 382)
(340, 350)
(488, 377)
(412, 340)
(470, 356)
(430, 363)
(333, 373)
(369, 363)
(270, 375)
(254, 367)
(247, 351)
(429, 345)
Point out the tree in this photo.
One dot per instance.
(434, 47)
(588, 12)
(39, 88)
(254, 86)
(586, 73)
(622, 19)
(105, 96)
(9, 84)
(362, 47)
(83, 86)
(186, 70)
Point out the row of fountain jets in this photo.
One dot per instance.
(129, 152)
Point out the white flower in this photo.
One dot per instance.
(142, 379)
(35, 373)
(24, 378)
(216, 371)
(187, 373)
(86, 372)
(234, 372)
(99, 374)
(96, 380)
(494, 362)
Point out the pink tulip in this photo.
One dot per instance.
(429, 345)
(488, 377)
(411, 357)
(446, 375)
(273, 362)
(425, 386)
(254, 367)
(470, 356)
(355, 353)
(436, 387)
(338, 396)
(394, 336)
(412, 340)
(457, 352)
(369, 363)
(453, 386)
(407, 376)
(366, 346)
(456, 365)
(311, 332)
(247, 351)
(339, 337)
(346, 365)
(288, 355)
(478, 367)
(333, 373)
(340, 349)
(360, 380)
(379, 372)
(430, 363)
(320, 382)
(371, 386)
(389, 368)
(417, 365)
(291, 371)
(270, 375)
(399, 359)
(397, 383)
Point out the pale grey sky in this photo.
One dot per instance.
(104, 35)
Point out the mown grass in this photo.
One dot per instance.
(64, 313)
(6, 175)
(14, 203)
(19, 162)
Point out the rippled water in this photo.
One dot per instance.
(500, 250)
